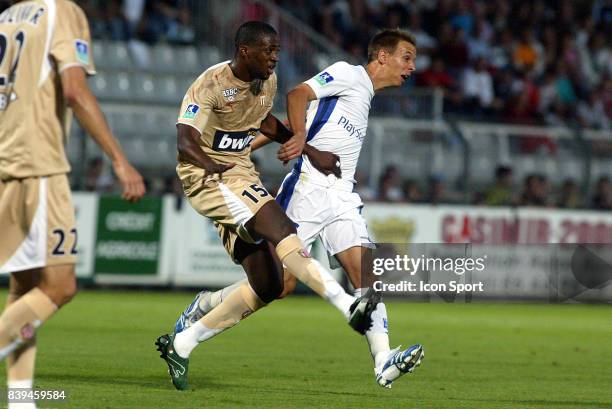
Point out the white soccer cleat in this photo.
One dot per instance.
(193, 313)
(398, 364)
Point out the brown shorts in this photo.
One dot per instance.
(229, 203)
(37, 223)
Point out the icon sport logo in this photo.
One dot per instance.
(324, 78)
(191, 111)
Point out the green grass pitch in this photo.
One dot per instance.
(299, 353)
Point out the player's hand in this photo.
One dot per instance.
(130, 180)
(325, 162)
(211, 168)
(293, 147)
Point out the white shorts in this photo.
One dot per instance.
(331, 214)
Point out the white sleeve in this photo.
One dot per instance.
(334, 80)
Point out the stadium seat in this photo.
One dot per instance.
(116, 56)
(119, 86)
(144, 87)
(100, 54)
(208, 56)
(99, 85)
(188, 60)
(165, 58)
(168, 90)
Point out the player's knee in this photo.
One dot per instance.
(69, 292)
(286, 228)
(288, 286)
(61, 294)
(269, 291)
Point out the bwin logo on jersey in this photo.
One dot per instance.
(324, 78)
(225, 141)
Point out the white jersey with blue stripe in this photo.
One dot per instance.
(337, 121)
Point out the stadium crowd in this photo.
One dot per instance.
(523, 61)
(150, 21)
(536, 189)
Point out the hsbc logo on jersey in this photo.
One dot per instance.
(324, 78)
(225, 141)
(230, 93)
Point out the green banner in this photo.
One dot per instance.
(128, 236)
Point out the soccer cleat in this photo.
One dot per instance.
(192, 314)
(360, 313)
(178, 366)
(399, 363)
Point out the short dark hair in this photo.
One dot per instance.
(251, 32)
(387, 40)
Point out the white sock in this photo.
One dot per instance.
(216, 298)
(378, 335)
(23, 384)
(186, 341)
(334, 293)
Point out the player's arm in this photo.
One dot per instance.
(189, 151)
(85, 106)
(272, 129)
(325, 162)
(297, 101)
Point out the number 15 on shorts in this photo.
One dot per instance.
(255, 190)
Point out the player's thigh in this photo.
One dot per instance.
(271, 223)
(224, 203)
(347, 238)
(353, 260)
(38, 223)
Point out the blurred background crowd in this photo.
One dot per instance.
(535, 62)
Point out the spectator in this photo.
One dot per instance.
(363, 188)
(548, 92)
(412, 193)
(117, 26)
(527, 53)
(436, 193)
(602, 199)
(390, 185)
(437, 76)
(500, 194)
(534, 191)
(592, 114)
(97, 179)
(167, 20)
(569, 197)
(478, 87)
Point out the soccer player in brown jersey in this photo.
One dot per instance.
(222, 112)
(45, 54)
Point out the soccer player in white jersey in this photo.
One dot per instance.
(320, 199)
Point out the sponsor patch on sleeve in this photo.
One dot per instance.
(191, 111)
(82, 51)
(324, 78)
